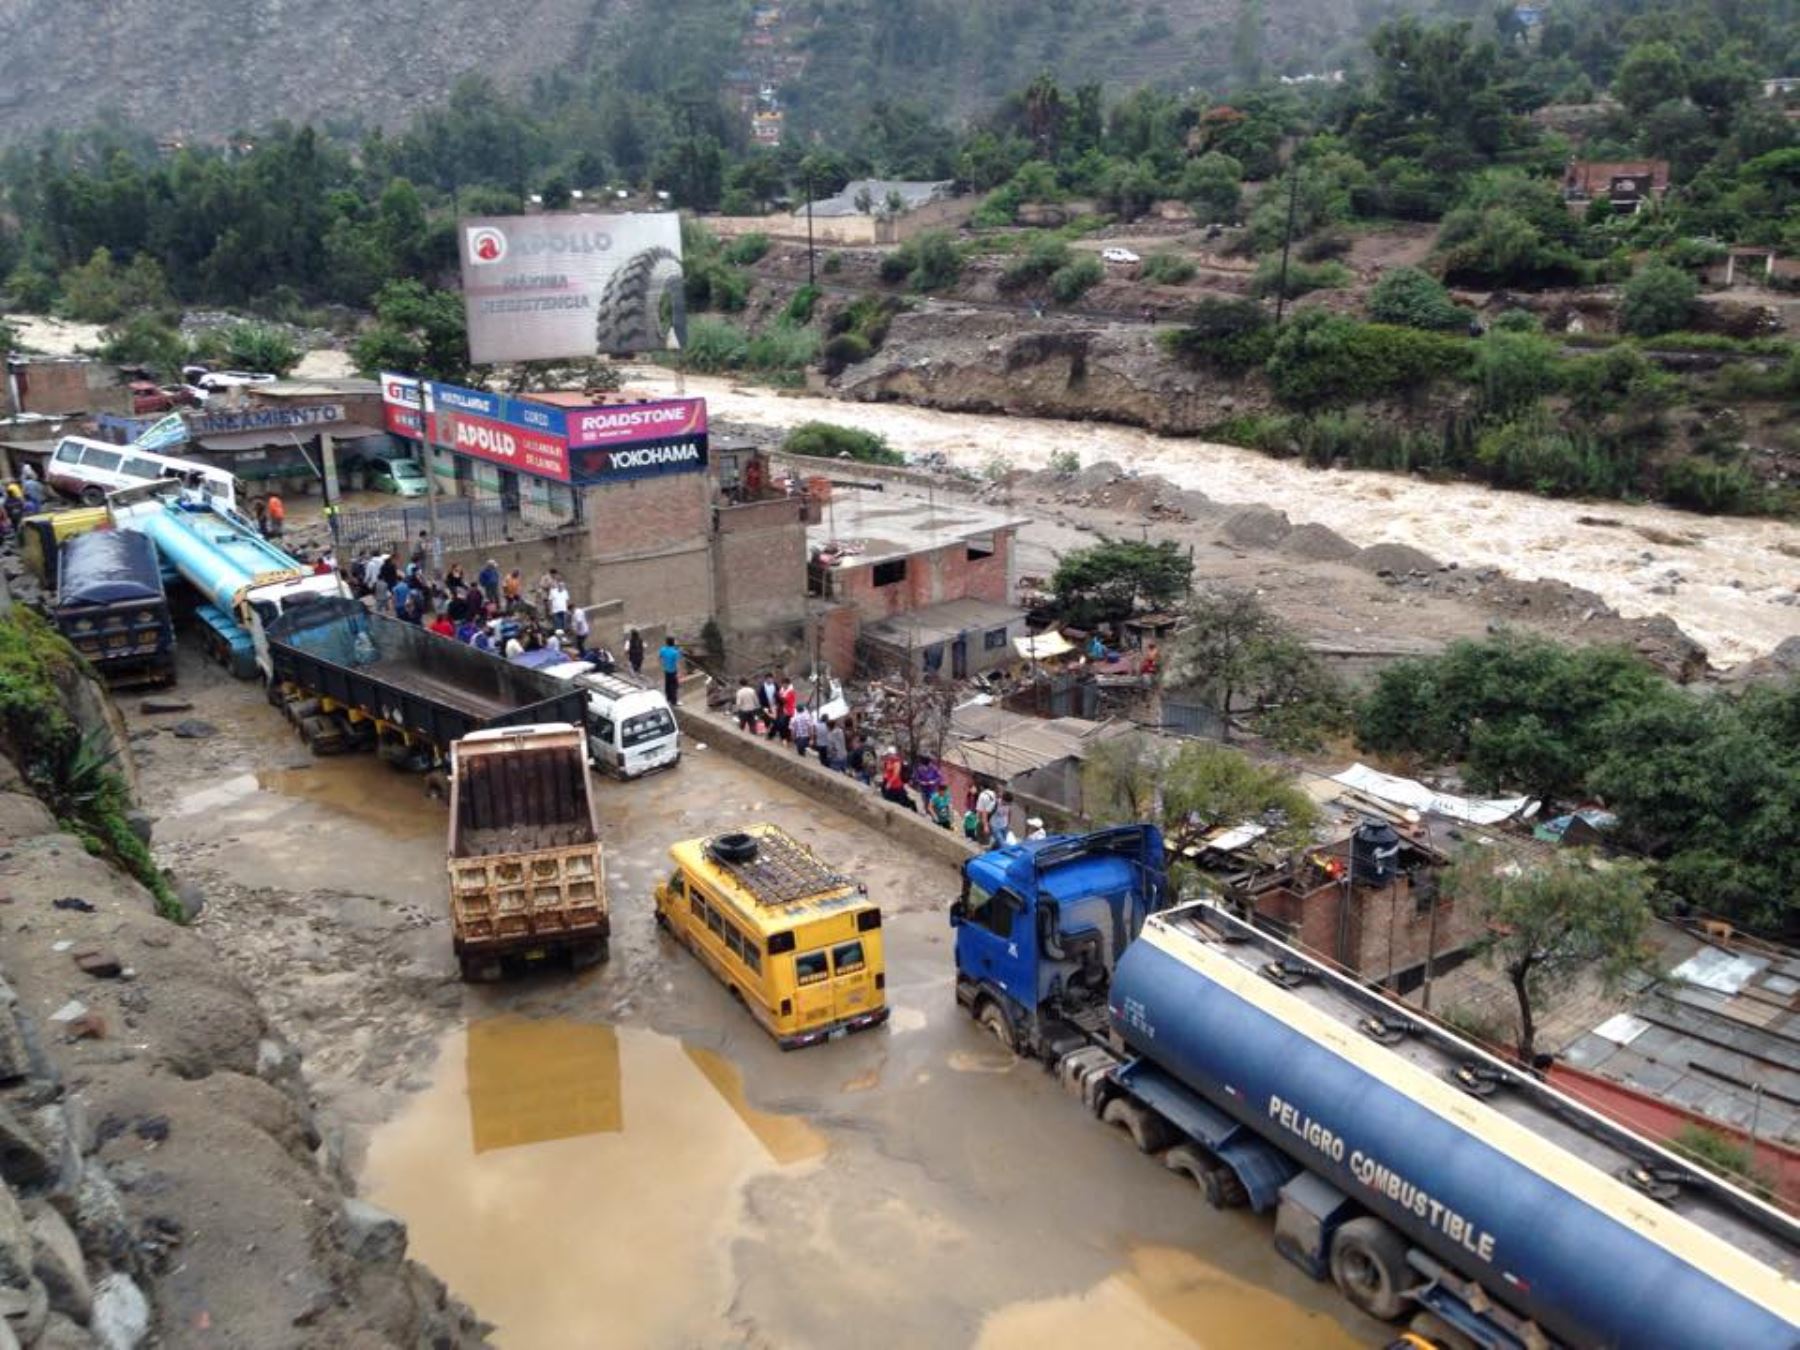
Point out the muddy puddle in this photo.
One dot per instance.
(1166, 1299)
(357, 786)
(579, 1184)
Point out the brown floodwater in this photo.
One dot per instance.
(1166, 1300)
(579, 1184)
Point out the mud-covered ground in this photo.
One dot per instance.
(622, 1157)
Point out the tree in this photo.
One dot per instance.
(1651, 73)
(1553, 921)
(418, 331)
(1526, 713)
(1208, 785)
(1105, 582)
(1233, 648)
(1513, 370)
(1119, 777)
(1415, 299)
(1658, 299)
(144, 339)
(251, 346)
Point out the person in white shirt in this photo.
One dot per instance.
(745, 705)
(559, 604)
(1035, 828)
(514, 647)
(984, 811)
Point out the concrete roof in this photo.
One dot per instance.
(888, 528)
(914, 194)
(941, 622)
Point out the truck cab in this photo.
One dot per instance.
(1039, 928)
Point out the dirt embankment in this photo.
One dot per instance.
(161, 1178)
(974, 361)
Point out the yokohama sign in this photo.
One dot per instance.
(594, 465)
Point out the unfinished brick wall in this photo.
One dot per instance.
(648, 545)
(948, 573)
(759, 556)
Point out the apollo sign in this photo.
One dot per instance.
(508, 432)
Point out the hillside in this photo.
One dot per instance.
(204, 69)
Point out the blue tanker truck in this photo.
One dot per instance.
(1426, 1178)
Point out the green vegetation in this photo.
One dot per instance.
(827, 440)
(1074, 279)
(1246, 663)
(1721, 1153)
(1410, 298)
(1707, 785)
(1229, 336)
(1302, 278)
(1555, 920)
(69, 771)
(416, 329)
(1167, 269)
(929, 262)
(778, 353)
(249, 346)
(1321, 359)
(1111, 580)
(1658, 299)
(1122, 777)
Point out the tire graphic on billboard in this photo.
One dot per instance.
(643, 303)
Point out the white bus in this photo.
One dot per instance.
(89, 470)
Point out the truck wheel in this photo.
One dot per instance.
(480, 969)
(1189, 1161)
(1368, 1264)
(993, 1017)
(1223, 1189)
(588, 954)
(1149, 1131)
(93, 495)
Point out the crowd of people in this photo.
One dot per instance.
(771, 706)
(493, 611)
(24, 497)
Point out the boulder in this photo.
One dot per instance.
(121, 1313)
(25, 1160)
(57, 1261)
(15, 1244)
(372, 1235)
(61, 1334)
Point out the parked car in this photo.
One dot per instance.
(396, 474)
(1116, 254)
(147, 398)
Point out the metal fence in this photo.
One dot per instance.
(463, 522)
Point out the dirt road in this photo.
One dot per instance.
(1721, 578)
(624, 1157)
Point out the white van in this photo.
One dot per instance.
(631, 729)
(89, 470)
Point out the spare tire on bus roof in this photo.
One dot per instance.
(733, 847)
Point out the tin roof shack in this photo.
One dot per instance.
(1626, 184)
(64, 384)
(1715, 1042)
(928, 581)
(1038, 760)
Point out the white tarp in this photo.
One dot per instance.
(1406, 792)
(1042, 646)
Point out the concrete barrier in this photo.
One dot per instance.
(777, 760)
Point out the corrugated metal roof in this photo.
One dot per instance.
(999, 744)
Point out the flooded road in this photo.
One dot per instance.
(623, 1157)
(1725, 573)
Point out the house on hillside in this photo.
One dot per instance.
(1625, 184)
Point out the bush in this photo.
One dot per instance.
(747, 249)
(843, 351)
(1068, 284)
(1231, 336)
(1513, 370)
(1040, 261)
(827, 440)
(715, 345)
(145, 340)
(781, 350)
(800, 307)
(1415, 299)
(928, 263)
(1542, 456)
(832, 264)
(249, 346)
(1065, 462)
(1703, 484)
(1658, 299)
(1322, 359)
(32, 289)
(1328, 247)
(1302, 278)
(1167, 269)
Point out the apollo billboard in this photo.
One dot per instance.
(562, 286)
(511, 433)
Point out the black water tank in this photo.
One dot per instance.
(1374, 854)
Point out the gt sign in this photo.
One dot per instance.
(402, 406)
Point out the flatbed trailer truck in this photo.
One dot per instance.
(1427, 1178)
(349, 678)
(527, 877)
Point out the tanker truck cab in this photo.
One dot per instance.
(1039, 926)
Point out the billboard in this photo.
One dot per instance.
(634, 423)
(508, 432)
(594, 465)
(562, 286)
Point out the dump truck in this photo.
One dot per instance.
(348, 678)
(1429, 1179)
(527, 879)
(111, 607)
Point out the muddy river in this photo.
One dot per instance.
(623, 1157)
(1726, 573)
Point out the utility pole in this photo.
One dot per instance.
(811, 274)
(1430, 945)
(428, 460)
(1287, 240)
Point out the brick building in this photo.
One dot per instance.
(925, 583)
(1381, 921)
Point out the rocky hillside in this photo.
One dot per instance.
(204, 69)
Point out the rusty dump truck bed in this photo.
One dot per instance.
(527, 879)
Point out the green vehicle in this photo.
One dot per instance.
(400, 476)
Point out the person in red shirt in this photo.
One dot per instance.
(440, 623)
